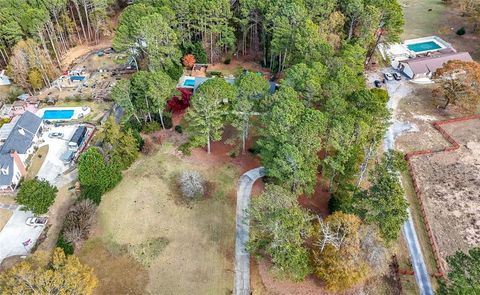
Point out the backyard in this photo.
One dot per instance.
(169, 246)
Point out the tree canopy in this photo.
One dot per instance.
(41, 274)
(36, 195)
(464, 273)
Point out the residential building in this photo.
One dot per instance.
(425, 67)
(18, 146)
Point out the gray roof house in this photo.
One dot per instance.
(425, 67)
(23, 134)
(18, 145)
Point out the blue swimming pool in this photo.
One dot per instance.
(189, 82)
(424, 46)
(58, 114)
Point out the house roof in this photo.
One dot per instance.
(6, 169)
(421, 65)
(21, 137)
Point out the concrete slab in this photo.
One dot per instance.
(15, 233)
(53, 167)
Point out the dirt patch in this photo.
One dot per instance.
(4, 217)
(449, 182)
(57, 212)
(117, 274)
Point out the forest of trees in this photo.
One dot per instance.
(35, 35)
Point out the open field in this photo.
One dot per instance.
(449, 182)
(178, 247)
(4, 217)
(433, 17)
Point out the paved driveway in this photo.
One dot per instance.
(15, 233)
(242, 257)
(53, 167)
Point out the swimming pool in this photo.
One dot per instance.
(58, 114)
(189, 82)
(424, 46)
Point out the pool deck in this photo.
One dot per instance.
(78, 112)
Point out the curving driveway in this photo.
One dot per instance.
(242, 257)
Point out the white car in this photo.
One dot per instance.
(55, 135)
(388, 76)
(36, 221)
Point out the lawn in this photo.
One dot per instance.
(185, 248)
(419, 21)
(37, 161)
(4, 217)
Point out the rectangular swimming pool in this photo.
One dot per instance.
(424, 46)
(58, 114)
(189, 82)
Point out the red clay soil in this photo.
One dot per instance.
(318, 201)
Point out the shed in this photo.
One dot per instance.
(77, 138)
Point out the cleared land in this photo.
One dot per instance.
(4, 217)
(449, 182)
(168, 245)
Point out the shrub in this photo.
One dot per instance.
(175, 71)
(191, 184)
(215, 73)
(78, 221)
(151, 127)
(179, 129)
(461, 31)
(13, 93)
(66, 246)
(188, 61)
(227, 61)
(148, 146)
(185, 149)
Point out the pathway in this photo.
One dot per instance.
(242, 257)
(397, 91)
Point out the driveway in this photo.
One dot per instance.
(398, 90)
(53, 167)
(242, 257)
(17, 238)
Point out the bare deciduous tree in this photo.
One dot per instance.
(78, 221)
(191, 184)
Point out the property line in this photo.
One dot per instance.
(454, 145)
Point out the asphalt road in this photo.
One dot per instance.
(242, 257)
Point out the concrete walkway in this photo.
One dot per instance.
(242, 257)
(9, 206)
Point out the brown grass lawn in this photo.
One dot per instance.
(4, 217)
(37, 161)
(185, 248)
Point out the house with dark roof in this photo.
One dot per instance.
(19, 144)
(425, 67)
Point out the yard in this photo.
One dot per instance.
(165, 244)
(449, 182)
(4, 217)
(434, 17)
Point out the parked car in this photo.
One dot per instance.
(100, 53)
(109, 50)
(377, 83)
(36, 221)
(55, 135)
(388, 76)
(397, 76)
